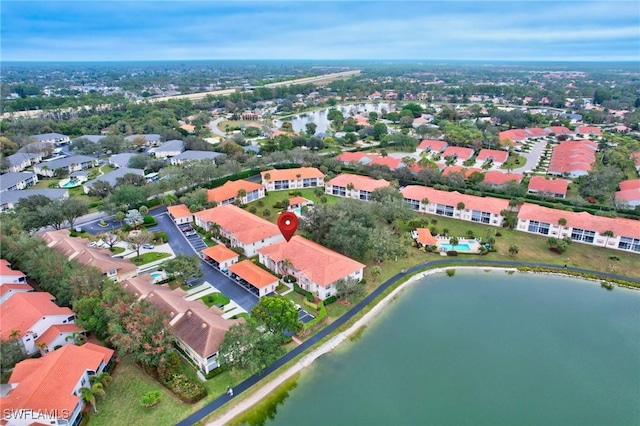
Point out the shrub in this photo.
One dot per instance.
(171, 376)
(150, 399)
(253, 209)
(290, 279)
(498, 234)
(149, 220)
(213, 373)
(451, 272)
(160, 237)
(329, 300)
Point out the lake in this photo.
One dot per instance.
(319, 117)
(481, 348)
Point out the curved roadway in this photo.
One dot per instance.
(245, 385)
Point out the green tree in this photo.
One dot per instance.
(150, 399)
(11, 353)
(278, 314)
(454, 241)
(311, 128)
(349, 289)
(379, 130)
(169, 198)
(246, 347)
(384, 244)
(513, 250)
(389, 204)
(376, 271)
(119, 216)
(89, 395)
(72, 208)
(125, 197)
(77, 338)
(103, 378)
(137, 239)
(183, 266)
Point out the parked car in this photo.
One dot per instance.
(187, 229)
(190, 233)
(148, 246)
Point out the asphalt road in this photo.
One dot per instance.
(243, 386)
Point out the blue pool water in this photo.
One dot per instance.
(157, 275)
(297, 211)
(71, 184)
(458, 247)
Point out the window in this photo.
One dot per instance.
(538, 227)
(443, 210)
(627, 243)
(578, 234)
(415, 205)
(281, 184)
(482, 217)
(309, 182)
(365, 195)
(252, 196)
(339, 190)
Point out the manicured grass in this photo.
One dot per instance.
(514, 161)
(121, 405)
(276, 196)
(237, 123)
(148, 257)
(117, 250)
(45, 182)
(215, 299)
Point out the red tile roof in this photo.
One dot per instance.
(20, 287)
(392, 163)
(360, 183)
(230, 190)
(424, 237)
(434, 145)
(55, 331)
(629, 184)
(559, 130)
(23, 310)
(220, 253)
(47, 383)
(179, 211)
(571, 156)
(495, 177)
(5, 269)
(351, 157)
(253, 274)
(299, 200)
(319, 264)
(628, 195)
(583, 220)
(497, 155)
(553, 186)
(471, 202)
(292, 174)
(459, 152)
(244, 226)
(585, 130)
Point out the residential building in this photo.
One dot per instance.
(65, 164)
(46, 390)
(391, 162)
(588, 130)
(186, 156)
(253, 278)
(17, 181)
(227, 193)
(559, 130)
(220, 256)
(580, 227)
(316, 268)
(299, 178)
(354, 186)
(8, 290)
(180, 214)
(629, 193)
(150, 139)
(52, 138)
(91, 138)
(497, 179)
(121, 160)
(472, 208)
(572, 158)
(22, 160)
(297, 203)
(112, 177)
(431, 145)
(354, 157)
(241, 228)
(458, 152)
(28, 316)
(199, 330)
(9, 199)
(497, 156)
(168, 149)
(11, 276)
(78, 249)
(548, 187)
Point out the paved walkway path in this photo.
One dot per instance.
(204, 292)
(533, 157)
(306, 345)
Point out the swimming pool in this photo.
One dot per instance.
(458, 247)
(297, 211)
(71, 183)
(157, 276)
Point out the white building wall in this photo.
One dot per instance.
(40, 327)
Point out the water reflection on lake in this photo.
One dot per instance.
(319, 117)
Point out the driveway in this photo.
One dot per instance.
(533, 157)
(213, 125)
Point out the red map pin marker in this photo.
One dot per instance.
(288, 223)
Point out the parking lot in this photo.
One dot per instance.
(193, 238)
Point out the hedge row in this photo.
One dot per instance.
(310, 297)
(171, 376)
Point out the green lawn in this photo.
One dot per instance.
(121, 404)
(215, 299)
(514, 161)
(117, 250)
(148, 257)
(276, 196)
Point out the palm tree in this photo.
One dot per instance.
(350, 187)
(562, 223)
(88, 395)
(460, 206)
(454, 241)
(14, 334)
(425, 203)
(143, 210)
(169, 198)
(267, 177)
(41, 346)
(285, 264)
(77, 338)
(609, 234)
(241, 193)
(119, 216)
(102, 378)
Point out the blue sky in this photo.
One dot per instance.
(181, 30)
